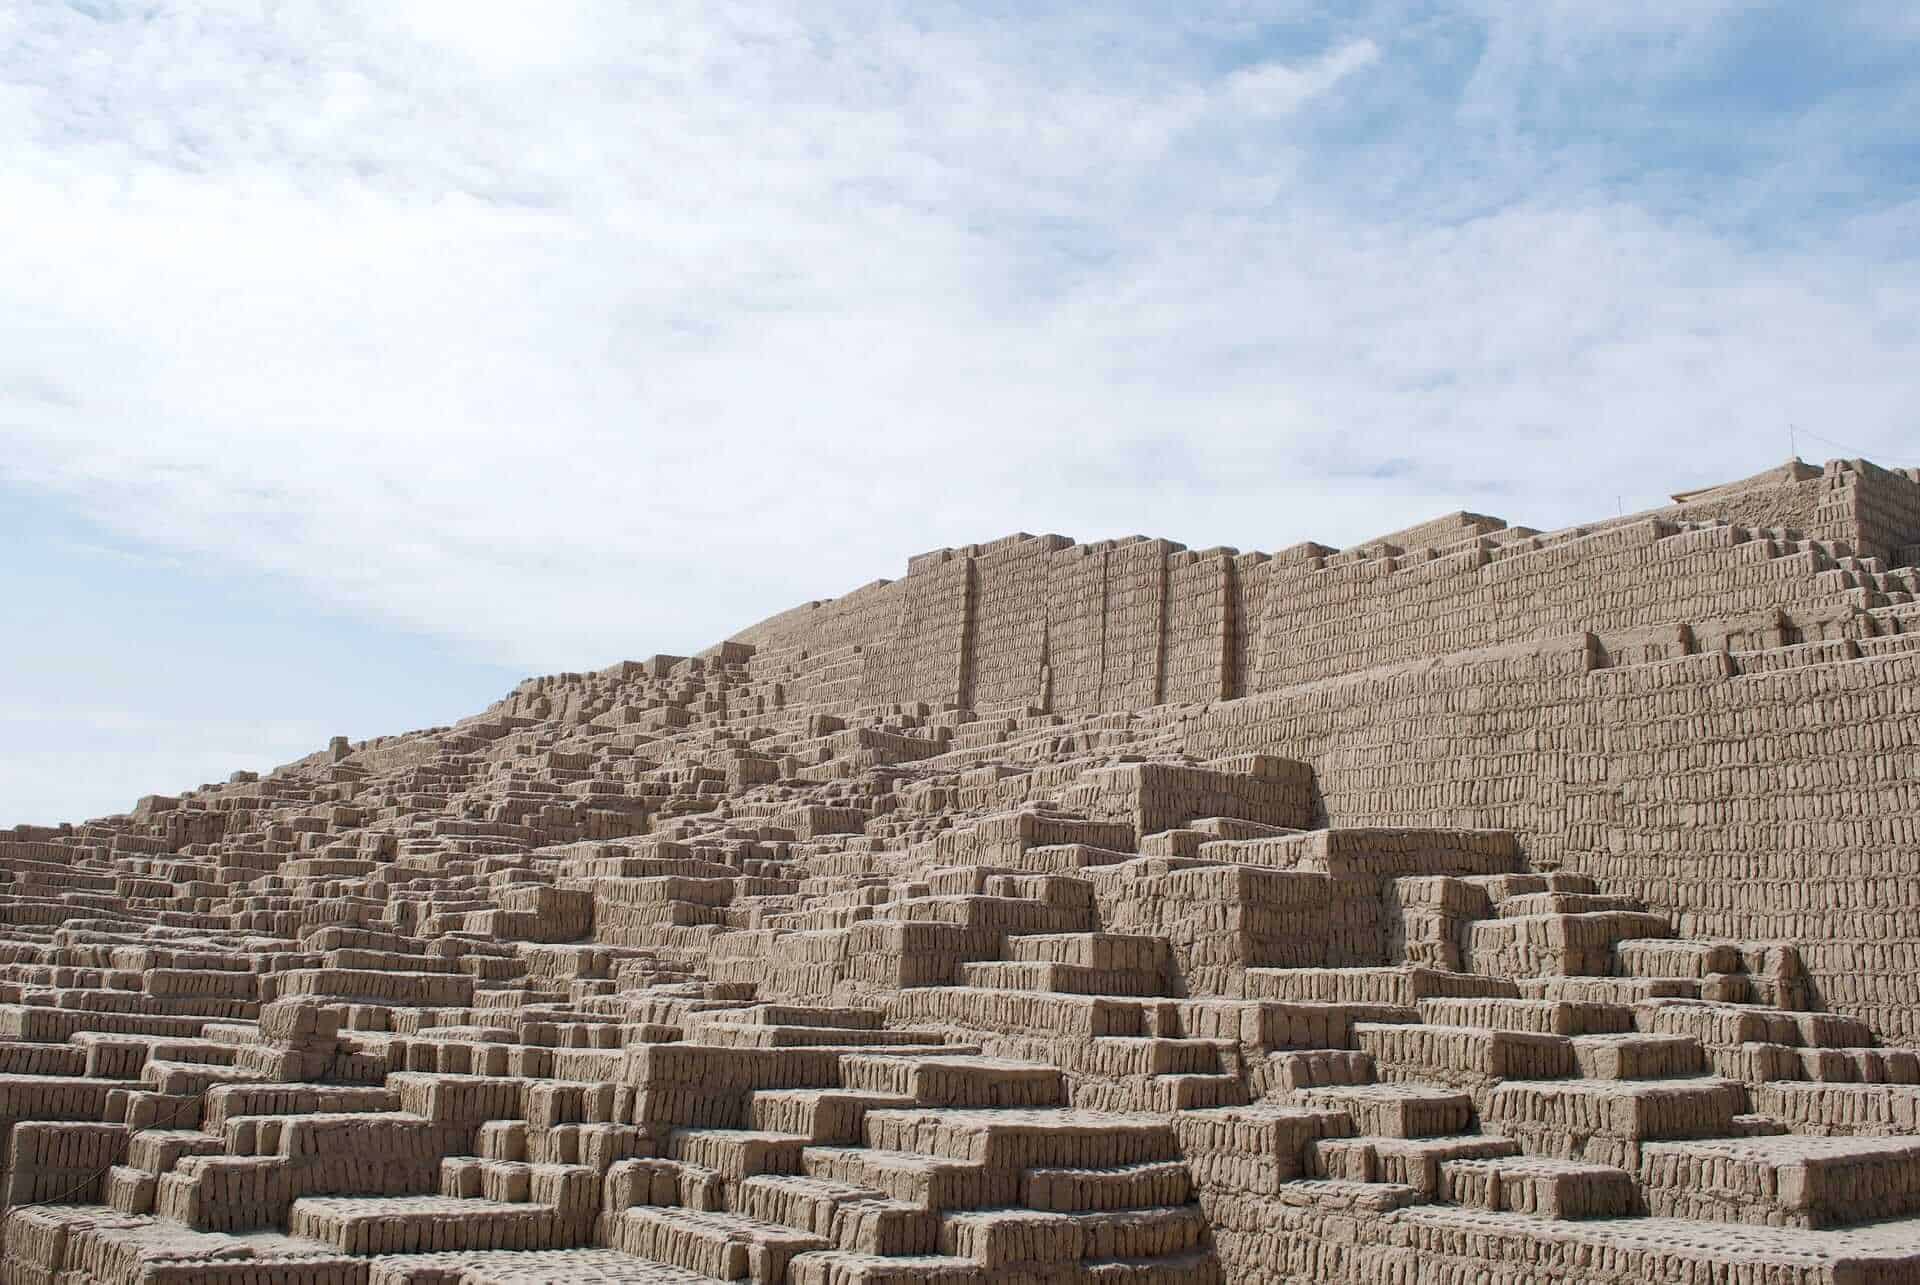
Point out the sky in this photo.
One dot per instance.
(358, 359)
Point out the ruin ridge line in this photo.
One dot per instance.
(1475, 903)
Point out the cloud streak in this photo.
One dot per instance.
(574, 331)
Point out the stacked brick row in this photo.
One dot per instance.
(1341, 619)
(811, 958)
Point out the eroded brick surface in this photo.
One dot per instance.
(1473, 904)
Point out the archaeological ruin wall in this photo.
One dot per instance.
(1616, 693)
(1475, 904)
(1781, 803)
(1128, 624)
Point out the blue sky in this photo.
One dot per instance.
(137, 670)
(357, 359)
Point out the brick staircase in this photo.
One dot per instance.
(1539, 1054)
(692, 970)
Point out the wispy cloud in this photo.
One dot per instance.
(573, 330)
(1279, 88)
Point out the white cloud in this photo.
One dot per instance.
(575, 331)
(1278, 88)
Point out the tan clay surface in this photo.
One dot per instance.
(1476, 904)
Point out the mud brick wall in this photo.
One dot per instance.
(1263, 1241)
(1076, 625)
(1010, 636)
(1364, 919)
(1220, 921)
(705, 1086)
(861, 616)
(1246, 608)
(1448, 528)
(629, 911)
(1872, 509)
(1340, 619)
(1884, 506)
(65, 1162)
(819, 677)
(393, 988)
(1796, 497)
(1032, 621)
(1001, 839)
(1152, 797)
(1133, 645)
(1779, 805)
(1133, 623)
(926, 657)
(1200, 627)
